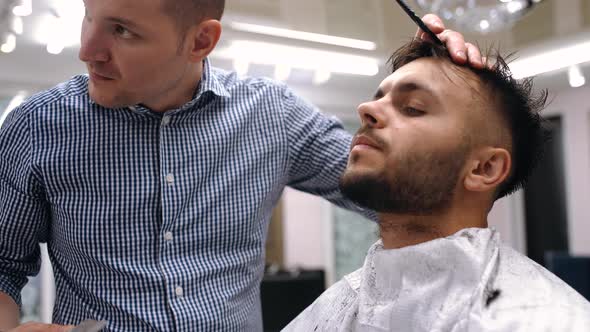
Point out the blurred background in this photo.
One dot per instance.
(334, 53)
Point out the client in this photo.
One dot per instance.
(438, 145)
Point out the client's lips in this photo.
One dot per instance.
(363, 141)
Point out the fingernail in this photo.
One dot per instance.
(461, 55)
(438, 25)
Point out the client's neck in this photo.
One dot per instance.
(398, 231)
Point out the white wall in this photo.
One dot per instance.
(304, 225)
(507, 216)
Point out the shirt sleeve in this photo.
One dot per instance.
(23, 211)
(318, 152)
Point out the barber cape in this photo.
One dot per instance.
(465, 282)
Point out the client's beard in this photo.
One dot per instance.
(417, 185)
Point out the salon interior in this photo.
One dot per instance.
(334, 53)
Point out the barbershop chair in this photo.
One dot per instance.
(575, 271)
(285, 294)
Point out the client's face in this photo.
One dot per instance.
(408, 155)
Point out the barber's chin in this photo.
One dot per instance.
(105, 100)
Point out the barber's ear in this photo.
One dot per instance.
(487, 169)
(202, 39)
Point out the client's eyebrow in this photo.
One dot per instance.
(405, 87)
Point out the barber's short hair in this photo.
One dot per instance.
(189, 12)
(520, 107)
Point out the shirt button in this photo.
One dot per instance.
(179, 291)
(170, 178)
(165, 121)
(168, 236)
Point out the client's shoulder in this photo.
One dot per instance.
(535, 284)
(525, 292)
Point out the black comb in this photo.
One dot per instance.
(418, 21)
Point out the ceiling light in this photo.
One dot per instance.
(468, 15)
(321, 76)
(298, 57)
(484, 24)
(307, 36)
(575, 77)
(515, 6)
(24, 9)
(17, 25)
(9, 44)
(61, 28)
(14, 103)
(55, 48)
(551, 60)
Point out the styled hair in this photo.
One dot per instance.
(188, 12)
(518, 105)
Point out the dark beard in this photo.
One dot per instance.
(418, 184)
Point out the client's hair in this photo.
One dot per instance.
(518, 105)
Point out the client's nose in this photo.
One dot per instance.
(370, 115)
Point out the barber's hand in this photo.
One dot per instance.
(38, 327)
(461, 52)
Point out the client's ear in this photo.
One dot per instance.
(487, 169)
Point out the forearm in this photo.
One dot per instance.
(9, 313)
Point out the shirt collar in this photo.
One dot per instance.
(209, 83)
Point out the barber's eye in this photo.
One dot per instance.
(411, 111)
(123, 32)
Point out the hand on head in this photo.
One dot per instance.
(461, 52)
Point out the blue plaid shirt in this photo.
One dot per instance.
(158, 221)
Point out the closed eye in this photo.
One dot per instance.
(413, 112)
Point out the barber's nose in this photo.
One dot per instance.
(371, 115)
(93, 47)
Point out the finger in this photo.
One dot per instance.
(422, 35)
(488, 63)
(455, 43)
(59, 328)
(474, 56)
(30, 327)
(433, 23)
